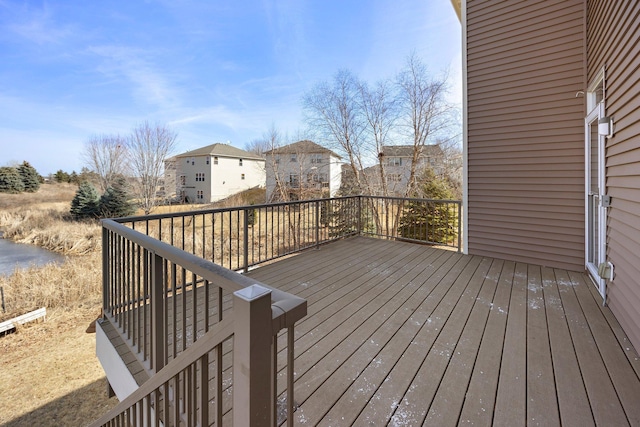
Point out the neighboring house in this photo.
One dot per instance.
(169, 185)
(398, 161)
(214, 172)
(552, 139)
(302, 170)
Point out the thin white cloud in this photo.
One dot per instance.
(38, 25)
(150, 85)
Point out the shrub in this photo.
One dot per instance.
(85, 203)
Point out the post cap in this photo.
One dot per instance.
(252, 292)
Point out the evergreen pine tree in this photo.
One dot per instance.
(85, 202)
(61, 176)
(30, 177)
(251, 216)
(10, 180)
(74, 178)
(114, 203)
(430, 221)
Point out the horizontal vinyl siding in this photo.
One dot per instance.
(613, 30)
(525, 64)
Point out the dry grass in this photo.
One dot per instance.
(74, 283)
(50, 375)
(48, 193)
(68, 286)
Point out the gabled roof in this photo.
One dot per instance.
(300, 147)
(432, 150)
(222, 150)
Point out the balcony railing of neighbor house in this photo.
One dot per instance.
(170, 291)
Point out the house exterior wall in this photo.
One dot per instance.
(218, 180)
(613, 29)
(171, 173)
(282, 166)
(524, 141)
(335, 175)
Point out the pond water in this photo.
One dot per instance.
(16, 254)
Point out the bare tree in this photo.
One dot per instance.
(424, 112)
(148, 147)
(379, 109)
(259, 146)
(106, 155)
(333, 113)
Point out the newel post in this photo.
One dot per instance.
(251, 361)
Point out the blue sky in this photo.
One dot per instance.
(215, 71)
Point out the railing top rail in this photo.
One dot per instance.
(287, 308)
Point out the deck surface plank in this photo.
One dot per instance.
(345, 361)
(605, 405)
(417, 376)
(387, 378)
(480, 398)
(450, 396)
(572, 397)
(405, 334)
(511, 399)
(620, 370)
(542, 402)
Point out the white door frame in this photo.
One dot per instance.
(593, 200)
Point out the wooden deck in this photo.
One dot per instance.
(403, 334)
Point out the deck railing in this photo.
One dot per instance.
(240, 237)
(170, 291)
(190, 322)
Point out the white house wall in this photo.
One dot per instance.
(335, 176)
(220, 180)
(330, 166)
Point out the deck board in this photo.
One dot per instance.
(466, 340)
(511, 399)
(542, 404)
(406, 334)
(481, 393)
(572, 400)
(449, 398)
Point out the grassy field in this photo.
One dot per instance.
(50, 373)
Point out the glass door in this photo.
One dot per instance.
(595, 218)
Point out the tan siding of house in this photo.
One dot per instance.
(613, 28)
(525, 130)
